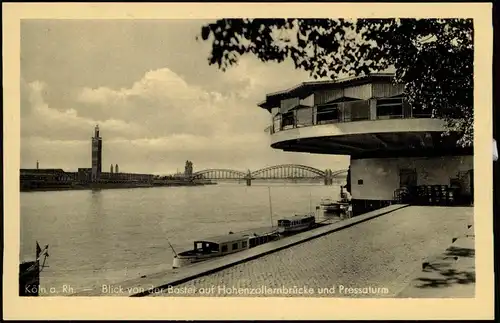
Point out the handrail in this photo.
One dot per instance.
(343, 114)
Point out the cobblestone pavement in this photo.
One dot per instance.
(375, 259)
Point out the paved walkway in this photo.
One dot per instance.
(376, 258)
(450, 273)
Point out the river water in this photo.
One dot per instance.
(108, 236)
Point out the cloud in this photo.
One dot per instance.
(40, 120)
(251, 79)
(158, 122)
(165, 104)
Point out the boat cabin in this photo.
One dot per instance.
(222, 244)
(234, 242)
(206, 247)
(298, 220)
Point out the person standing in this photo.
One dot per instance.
(349, 211)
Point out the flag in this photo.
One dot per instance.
(38, 250)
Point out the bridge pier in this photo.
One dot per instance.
(328, 177)
(248, 178)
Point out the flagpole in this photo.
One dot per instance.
(175, 253)
(270, 206)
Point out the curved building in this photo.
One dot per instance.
(390, 143)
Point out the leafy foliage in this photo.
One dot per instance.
(433, 58)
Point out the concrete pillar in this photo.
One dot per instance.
(373, 109)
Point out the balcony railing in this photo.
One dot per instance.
(343, 112)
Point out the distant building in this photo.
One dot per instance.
(96, 155)
(188, 169)
(117, 170)
(126, 177)
(84, 175)
(51, 177)
(111, 169)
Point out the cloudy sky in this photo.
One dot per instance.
(157, 101)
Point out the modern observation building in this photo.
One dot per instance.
(390, 143)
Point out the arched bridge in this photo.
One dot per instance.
(285, 172)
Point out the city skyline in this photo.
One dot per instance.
(157, 102)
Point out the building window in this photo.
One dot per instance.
(390, 108)
(327, 113)
(304, 116)
(235, 246)
(224, 248)
(360, 182)
(244, 244)
(288, 119)
(408, 178)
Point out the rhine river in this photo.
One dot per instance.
(108, 236)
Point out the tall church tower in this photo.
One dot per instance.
(96, 155)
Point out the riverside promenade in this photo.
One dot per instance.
(378, 254)
(378, 258)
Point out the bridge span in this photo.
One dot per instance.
(278, 172)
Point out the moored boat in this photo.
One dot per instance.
(296, 223)
(29, 273)
(333, 206)
(340, 206)
(224, 245)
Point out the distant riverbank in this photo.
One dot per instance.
(98, 186)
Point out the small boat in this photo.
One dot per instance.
(340, 206)
(29, 272)
(329, 205)
(296, 223)
(224, 245)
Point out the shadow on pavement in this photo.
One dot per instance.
(447, 275)
(460, 252)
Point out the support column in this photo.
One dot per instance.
(328, 177)
(373, 109)
(249, 179)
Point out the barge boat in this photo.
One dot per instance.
(224, 245)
